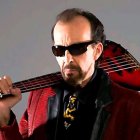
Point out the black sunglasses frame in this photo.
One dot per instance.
(74, 49)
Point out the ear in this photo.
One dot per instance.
(98, 50)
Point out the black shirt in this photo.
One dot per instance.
(81, 127)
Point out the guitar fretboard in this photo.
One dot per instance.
(39, 82)
(122, 61)
(56, 78)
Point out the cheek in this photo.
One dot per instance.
(60, 61)
(86, 64)
(88, 61)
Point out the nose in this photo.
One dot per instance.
(68, 58)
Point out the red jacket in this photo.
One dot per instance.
(122, 123)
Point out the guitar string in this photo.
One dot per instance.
(121, 69)
(36, 87)
(122, 61)
(117, 67)
(32, 84)
(108, 61)
(125, 66)
(121, 57)
(35, 83)
(121, 64)
(26, 89)
(43, 85)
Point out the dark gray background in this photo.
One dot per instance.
(25, 25)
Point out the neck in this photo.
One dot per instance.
(84, 82)
(88, 77)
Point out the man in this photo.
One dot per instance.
(87, 105)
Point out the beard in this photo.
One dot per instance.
(72, 78)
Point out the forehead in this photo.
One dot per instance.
(76, 30)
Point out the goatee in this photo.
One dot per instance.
(70, 78)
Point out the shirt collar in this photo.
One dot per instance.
(97, 89)
(83, 94)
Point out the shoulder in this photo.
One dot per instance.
(123, 96)
(119, 91)
(40, 94)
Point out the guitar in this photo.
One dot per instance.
(120, 65)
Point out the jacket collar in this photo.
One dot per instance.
(99, 85)
(103, 97)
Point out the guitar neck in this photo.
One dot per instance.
(39, 82)
(55, 78)
(116, 60)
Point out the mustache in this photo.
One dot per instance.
(70, 66)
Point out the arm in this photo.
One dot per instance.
(8, 124)
(13, 131)
(10, 131)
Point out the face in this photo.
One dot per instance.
(76, 69)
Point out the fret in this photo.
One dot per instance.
(35, 88)
(124, 61)
(39, 82)
(110, 65)
(115, 60)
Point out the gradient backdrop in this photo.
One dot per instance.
(25, 25)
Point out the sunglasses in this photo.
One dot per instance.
(74, 49)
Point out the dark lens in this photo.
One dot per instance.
(74, 49)
(58, 50)
(78, 49)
